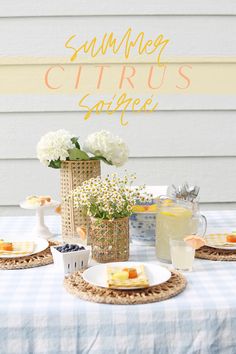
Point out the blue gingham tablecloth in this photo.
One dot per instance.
(38, 316)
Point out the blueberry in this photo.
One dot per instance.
(69, 248)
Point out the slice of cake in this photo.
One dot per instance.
(25, 247)
(119, 277)
(38, 200)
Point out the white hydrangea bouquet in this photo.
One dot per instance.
(58, 146)
(109, 198)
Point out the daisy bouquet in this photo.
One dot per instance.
(109, 198)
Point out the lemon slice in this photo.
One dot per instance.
(177, 212)
(167, 202)
(144, 208)
(167, 213)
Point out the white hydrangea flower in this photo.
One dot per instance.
(54, 145)
(105, 144)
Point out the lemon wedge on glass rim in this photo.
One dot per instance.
(195, 241)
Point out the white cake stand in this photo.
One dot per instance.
(40, 229)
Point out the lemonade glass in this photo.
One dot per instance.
(175, 220)
(182, 255)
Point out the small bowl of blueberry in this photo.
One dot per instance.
(70, 257)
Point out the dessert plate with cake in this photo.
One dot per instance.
(226, 241)
(35, 201)
(126, 275)
(40, 204)
(14, 247)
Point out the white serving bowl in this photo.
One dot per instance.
(142, 228)
(70, 262)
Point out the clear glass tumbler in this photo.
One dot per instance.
(182, 255)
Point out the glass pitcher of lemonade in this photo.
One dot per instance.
(175, 220)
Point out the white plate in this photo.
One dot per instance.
(26, 205)
(218, 240)
(40, 245)
(97, 275)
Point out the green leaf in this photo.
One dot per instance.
(55, 164)
(74, 140)
(101, 158)
(77, 154)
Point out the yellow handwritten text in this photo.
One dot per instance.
(121, 103)
(109, 41)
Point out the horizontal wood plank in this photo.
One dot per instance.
(216, 176)
(69, 103)
(161, 134)
(113, 7)
(34, 39)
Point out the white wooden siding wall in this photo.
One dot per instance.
(189, 139)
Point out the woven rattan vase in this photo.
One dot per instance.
(73, 174)
(110, 240)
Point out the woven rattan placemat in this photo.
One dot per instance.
(36, 260)
(215, 254)
(75, 285)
